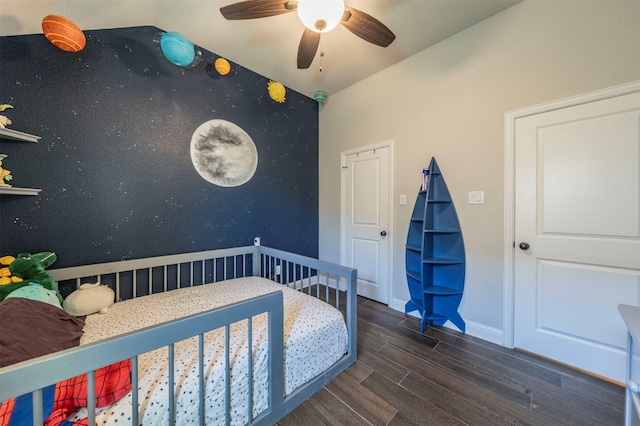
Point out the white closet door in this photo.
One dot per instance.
(366, 185)
(577, 210)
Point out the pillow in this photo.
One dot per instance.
(37, 292)
(88, 299)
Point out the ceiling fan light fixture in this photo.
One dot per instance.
(320, 15)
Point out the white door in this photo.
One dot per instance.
(577, 198)
(365, 202)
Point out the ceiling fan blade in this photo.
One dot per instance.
(367, 27)
(307, 48)
(252, 9)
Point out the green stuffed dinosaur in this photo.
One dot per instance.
(31, 268)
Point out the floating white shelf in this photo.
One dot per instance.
(23, 137)
(12, 190)
(17, 136)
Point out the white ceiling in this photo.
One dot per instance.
(269, 46)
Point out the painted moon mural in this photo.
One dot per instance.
(223, 153)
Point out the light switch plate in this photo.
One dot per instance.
(476, 197)
(403, 199)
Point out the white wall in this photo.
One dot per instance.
(449, 101)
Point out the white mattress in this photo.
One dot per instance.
(315, 338)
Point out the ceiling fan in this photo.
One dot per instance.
(318, 16)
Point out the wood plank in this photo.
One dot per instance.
(385, 366)
(304, 414)
(331, 411)
(370, 342)
(495, 353)
(364, 326)
(599, 391)
(413, 342)
(554, 373)
(548, 399)
(374, 312)
(415, 408)
(366, 403)
(574, 409)
(504, 386)
(358, 371)
(401, 420)
(512, 411)
(451, 402)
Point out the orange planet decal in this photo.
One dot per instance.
(222, 66)
(63, 33)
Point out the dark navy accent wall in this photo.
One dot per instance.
(116, 121)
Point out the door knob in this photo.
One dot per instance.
(524, 246)
(383, 233)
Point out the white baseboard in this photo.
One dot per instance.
(481, 331)
(484, 332)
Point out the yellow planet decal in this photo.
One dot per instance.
(276, 91)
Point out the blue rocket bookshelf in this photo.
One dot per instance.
(435, 259)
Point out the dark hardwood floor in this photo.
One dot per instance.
(443, 377)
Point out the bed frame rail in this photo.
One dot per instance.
(332, 283)
(34, 375)
(140, 277)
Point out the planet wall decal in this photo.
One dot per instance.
(223, 154)
(222, 66)
(276, 91)
(178, 49)
(63, 33)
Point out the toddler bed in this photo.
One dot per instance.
(258, 333)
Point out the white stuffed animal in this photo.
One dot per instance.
(88, 299)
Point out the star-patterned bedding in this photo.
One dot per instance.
(315, 338)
